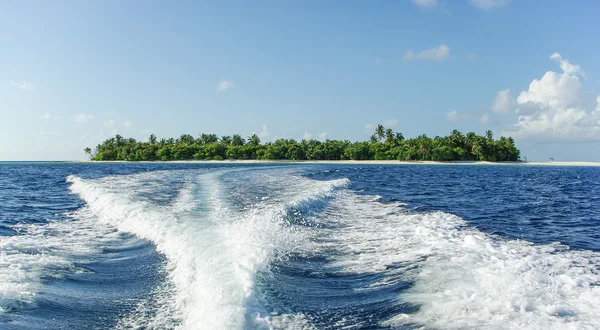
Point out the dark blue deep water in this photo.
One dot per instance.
(225, 246)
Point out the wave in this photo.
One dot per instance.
(46, 251)
(462, 277)
(213, 251)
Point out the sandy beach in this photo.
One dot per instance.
(366, 162)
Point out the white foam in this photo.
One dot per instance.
(465, 278)
(213, 253)
(45, 250)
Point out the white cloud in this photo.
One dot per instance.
(369, 128)
(454, 116)
(224, 85)
(264, 133)
(390, 123)
(433, 54)
(45, 116)
(489, 4)
(323, 136)
(109, 123)
(83, 117)
(555, 108)
(425, 3)
(306, 136)
(504, 102)
(24, 86)
(127, 123)
(566, 66)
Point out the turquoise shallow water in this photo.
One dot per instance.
(199, 246)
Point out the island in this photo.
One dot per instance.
(384, 144)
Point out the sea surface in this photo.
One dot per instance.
(197, 246)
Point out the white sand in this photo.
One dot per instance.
(365, 162)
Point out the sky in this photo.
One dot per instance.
(74, 73)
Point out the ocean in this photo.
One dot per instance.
(230, 246)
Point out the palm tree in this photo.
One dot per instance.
(88, 151)
(389, 135)
(152, 139)
(489, 135)
(118, 139)
(226, 139)
(254, 140)
(399, 136)
(238, 140)
(380, 132)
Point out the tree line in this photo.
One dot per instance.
(384, 144)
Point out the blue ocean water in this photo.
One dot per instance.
(197, 246)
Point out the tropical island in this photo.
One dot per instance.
(384, 144)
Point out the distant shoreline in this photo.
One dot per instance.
(358, 162)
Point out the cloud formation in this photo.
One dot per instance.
(224, 85)
(433, 54)
(556, 108)
(127, 123)
(566, 66)
(425, 3)
(489, 4)
(24, 86)
(504, 102)
(264, 133)
(454, 116)
(45, 116)
(390, 123)
(83, 117)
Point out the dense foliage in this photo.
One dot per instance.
(385, 144)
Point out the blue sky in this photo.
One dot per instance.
(73, 73)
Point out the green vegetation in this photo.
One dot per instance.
(385, 144)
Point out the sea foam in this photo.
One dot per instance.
(464, 278)
(213, 251)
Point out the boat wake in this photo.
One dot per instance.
(269, 248)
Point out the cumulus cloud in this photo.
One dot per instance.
(109, 123)
(224, 85)
(83, 117)
(24, 86)
(433, 54)
(127, 123)
(454, 116)
(323, 136)
(45, 116)
(425, 3)
(390, 123)
(566, 66)
(369, 128)
(489, 4)
(504, 102)
(556, 108)
(306, 136)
